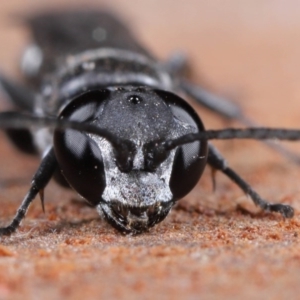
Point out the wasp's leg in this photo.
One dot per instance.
(216, 161)
(23, 140)
(230, 111)
(19, 95)
(22, 98)
(177, 64)
(39, 181)
(213, 102)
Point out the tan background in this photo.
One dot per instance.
(206, 248)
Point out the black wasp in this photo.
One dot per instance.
(106, 118)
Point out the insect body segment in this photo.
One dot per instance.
(106, 117)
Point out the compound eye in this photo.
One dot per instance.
(190, 159)
(81, 163)
(188, 166)
(78, 155)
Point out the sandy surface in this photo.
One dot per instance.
(212, 245)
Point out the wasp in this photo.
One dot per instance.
(106, 118)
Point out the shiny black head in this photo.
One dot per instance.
(133, 186)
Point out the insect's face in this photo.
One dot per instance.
(136, 200)
(132, 189)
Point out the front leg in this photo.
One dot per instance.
(39, 181)
(216, 161)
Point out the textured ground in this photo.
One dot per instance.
(212, 245)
